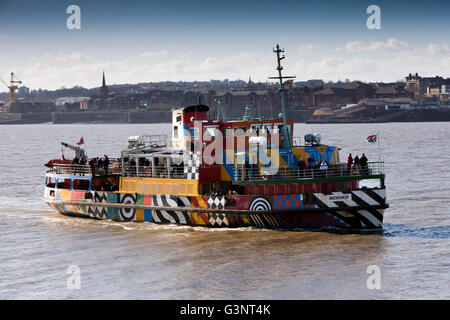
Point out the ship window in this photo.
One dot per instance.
(254, 130)
(175, 132)
(178, 119)
(50, 182)
(63, 183)
(240, 131)
(210, 133)
(267, 129)
(80, 184)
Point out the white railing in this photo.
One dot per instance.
(171, 172)
(114, 168)
(242, 173)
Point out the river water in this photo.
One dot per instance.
(147, 261)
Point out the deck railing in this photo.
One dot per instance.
(242, 173)
(171, 172)
(114, 168)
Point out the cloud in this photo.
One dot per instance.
(311, 48)
(371, 68)
(154, 54)
(72, 69)
(391, 44)
(75, 56)
(434, 48)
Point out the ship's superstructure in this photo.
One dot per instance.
(223, 173)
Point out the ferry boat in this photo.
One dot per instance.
(222, 173)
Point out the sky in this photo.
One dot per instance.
(179, 40)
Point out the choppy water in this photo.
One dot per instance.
(146, 261)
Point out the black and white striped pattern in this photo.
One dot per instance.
(192, 165)
(367, 218)
(264, 220)
(260, 204)
(127, 214)
(170, 216)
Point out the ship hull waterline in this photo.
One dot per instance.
(168, 209)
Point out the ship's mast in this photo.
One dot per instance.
(285, 130)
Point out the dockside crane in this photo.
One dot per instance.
(12, 86)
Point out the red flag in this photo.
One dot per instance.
(372, 138)
(80, 142)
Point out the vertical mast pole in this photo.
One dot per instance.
(285, 130)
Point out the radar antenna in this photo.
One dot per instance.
(285, 130)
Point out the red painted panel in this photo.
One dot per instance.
(260, 189)
(292, 188)
(208, 174)
(202, 115)
(270, 189)
(281, 189)
(307, 188)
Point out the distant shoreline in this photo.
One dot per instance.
(133, 117)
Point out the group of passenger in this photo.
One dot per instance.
(357, 165)
(314, 167)
(79, 161)
(97, 165)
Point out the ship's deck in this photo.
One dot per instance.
(241, 174)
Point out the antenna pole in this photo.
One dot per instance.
(379, 146)
(285, 130)
(280, 78)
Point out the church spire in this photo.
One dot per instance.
(103, 82)
(104, 88)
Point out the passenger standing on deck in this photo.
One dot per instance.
(106, 164)
(92, 166)
(301, 167)
(363, 162)
(356, 165)
(99, 164)
(349, 162)
(75, 163)
(133, 167)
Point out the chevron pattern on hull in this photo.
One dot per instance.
(171, 216)
(370, 218)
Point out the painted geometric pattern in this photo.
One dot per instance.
(289, 201)
(171, 216)
(326, 218)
